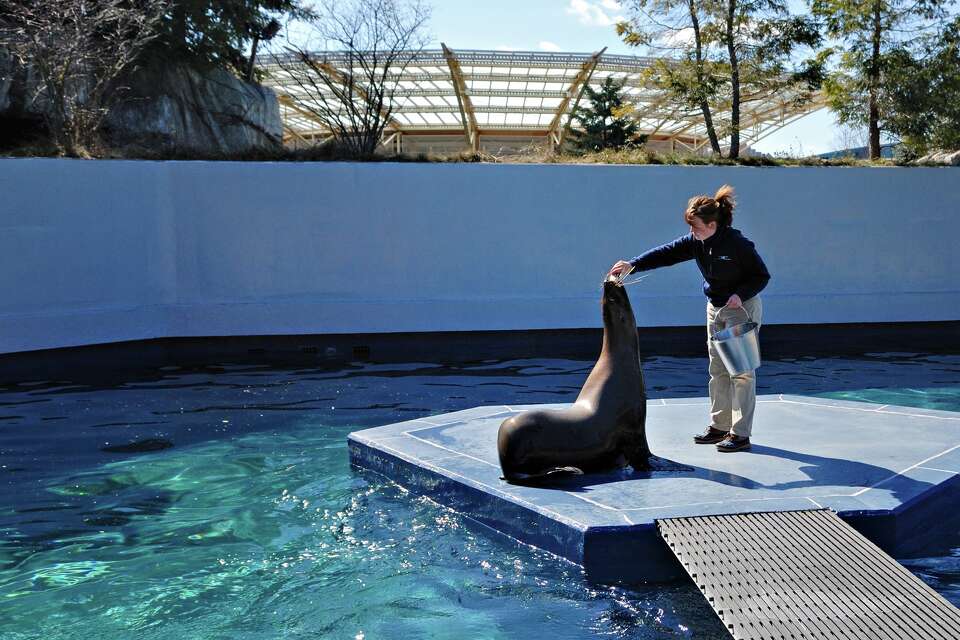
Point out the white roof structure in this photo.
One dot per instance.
(481, 94)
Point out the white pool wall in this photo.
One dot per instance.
(104, 251)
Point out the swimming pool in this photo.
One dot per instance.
(218, 502)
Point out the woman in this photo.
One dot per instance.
(734, 275)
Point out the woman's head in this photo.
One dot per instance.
(705, 214)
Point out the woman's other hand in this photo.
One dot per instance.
(734, 302)
(620, 269)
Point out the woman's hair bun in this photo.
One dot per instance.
(726, 202)
(717, 209)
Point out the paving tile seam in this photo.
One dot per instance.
(447, 449)
(936, 469)
(496, 492)
(881, 410)
(919, 415)
(599, 504)
(500, 408)
(426, 464)
(910, 468)
(699, 504)
(434, 425)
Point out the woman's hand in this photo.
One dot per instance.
(734, 302)
(622, 268)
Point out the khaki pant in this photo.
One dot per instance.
(732, 398)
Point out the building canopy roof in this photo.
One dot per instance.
(476, 93)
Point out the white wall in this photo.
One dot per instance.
(100, 251)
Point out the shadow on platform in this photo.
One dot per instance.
(821, 471)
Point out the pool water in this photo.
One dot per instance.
(218, 502)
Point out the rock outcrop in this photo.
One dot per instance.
(167, 109)
(6, 79)
(179, 108)
(950, 158)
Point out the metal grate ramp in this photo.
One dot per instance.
(805, 574)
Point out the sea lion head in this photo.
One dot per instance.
(618, 318)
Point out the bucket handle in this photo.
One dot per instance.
(744, 308)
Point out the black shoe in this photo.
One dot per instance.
(734, 443)
(710, 436)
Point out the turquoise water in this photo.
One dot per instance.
(219, 503)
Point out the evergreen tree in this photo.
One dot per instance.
(920, 103)
(605, 123)
(219, 32)
(869, 31)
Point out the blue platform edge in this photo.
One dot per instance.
(891, 472)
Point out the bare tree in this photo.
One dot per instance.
(75, 51)
(347, 87)
(675, 28)
(850, 137)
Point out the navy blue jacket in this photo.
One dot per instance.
(728, 261)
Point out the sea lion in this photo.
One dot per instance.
(606, 426)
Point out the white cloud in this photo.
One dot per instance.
(593, 13)
(546, 45)
(681, 38)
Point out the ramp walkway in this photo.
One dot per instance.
(804, 574)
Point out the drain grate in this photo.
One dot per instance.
(805, 574)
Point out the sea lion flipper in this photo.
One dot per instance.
(542, 476)
(566, 471)
(636, 450)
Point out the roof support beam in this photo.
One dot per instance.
(467, 114)
(722, 107)
(550, 86)
(291, 134)
(555, 133)
(291, 104)
(784, 117)
(652, 107)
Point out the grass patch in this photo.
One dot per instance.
(531, 155)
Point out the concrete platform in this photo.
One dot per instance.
(891, 472)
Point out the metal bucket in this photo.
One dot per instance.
(738, 346)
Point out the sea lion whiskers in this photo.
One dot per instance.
(634, 281)
(621, 279)
(617, 279)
